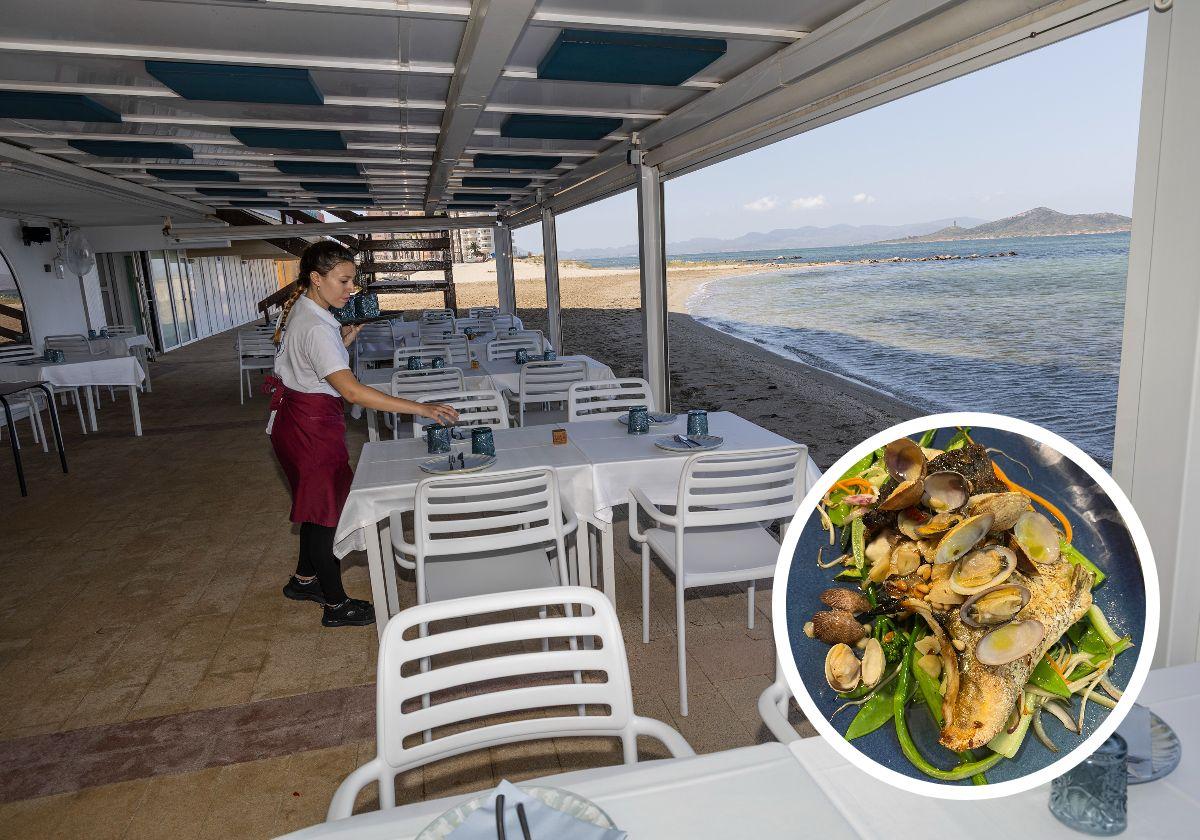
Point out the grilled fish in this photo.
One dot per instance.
(1059, 596)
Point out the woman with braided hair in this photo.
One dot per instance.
(308, 426)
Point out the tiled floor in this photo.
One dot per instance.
(142, 627)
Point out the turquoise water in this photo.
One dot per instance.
(1035, 336)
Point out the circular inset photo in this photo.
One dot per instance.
(970, 606)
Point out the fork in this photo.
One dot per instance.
(685, 440)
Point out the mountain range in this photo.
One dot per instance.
(782, 239)
(1040, 221)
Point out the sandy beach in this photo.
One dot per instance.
(709, 369)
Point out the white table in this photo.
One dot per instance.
(84, 372)
(125, 345)
(506, 373)
(752, 792)
(1168, 808)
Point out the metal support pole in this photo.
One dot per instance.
(553, 296)
(652, 250)
(506, 287)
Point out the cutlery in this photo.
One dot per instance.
(462, 463)
(524, 821)
(500, 817)
(684, 439)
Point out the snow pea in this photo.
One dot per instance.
(873, 714)
(1046, 678)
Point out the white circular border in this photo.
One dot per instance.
(1081, 751)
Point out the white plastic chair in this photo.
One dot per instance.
(543, 383)
(28, 408)
(478, 699)
(716, 535)
(425, 352)
(474, 324)
(431, 316)
(506, 348)
(74, 345)
(488, 312)
(504, 321)
(475, 408)
(460, 352)
(773, 707)
(415, 384)
(603, 399)
(25, 352)
(255, 352)
(486, 532)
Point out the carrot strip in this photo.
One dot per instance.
(1016, 488)
(850, 483)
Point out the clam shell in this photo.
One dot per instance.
(1038, 538)
(946, 491)
(873, 662)
(937, 525)
(962, 538)
(842, 668)
(908, 520)
(982, 569)
(837, 627)
(994, 605)
(906, 494)
(839, 598)
(906, 556)
(1010, 642)
(904, 460)
(1005, 507)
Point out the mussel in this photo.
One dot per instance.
(982, 569)
(1005, 507)
(842, 668)
(1037, 538)
(946, 491)
(962, 538)
(1010, 642)
(994, 606)
(904, 460)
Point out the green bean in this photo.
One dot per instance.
(873, 714)
(927, 439)
(909, 747)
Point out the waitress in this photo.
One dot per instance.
(308, 427)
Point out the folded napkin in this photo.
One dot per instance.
(545, 823)
(1135, 729)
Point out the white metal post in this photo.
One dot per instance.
(553, 296)
(506, 287)
(1158, 405)
(653, 254)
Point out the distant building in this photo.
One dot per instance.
(472, 244)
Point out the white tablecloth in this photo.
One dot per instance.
(1168, 808)
(506, 373)
(78, 371)
(118, 345)
(753, 792)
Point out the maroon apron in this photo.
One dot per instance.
(309, 438)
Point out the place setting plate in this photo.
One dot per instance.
(689, 443)
(450, 464)
(657, 418)
(571, 804)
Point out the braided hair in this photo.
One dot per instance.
(321, 257)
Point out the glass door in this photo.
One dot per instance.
(185, 319)
(160, 285)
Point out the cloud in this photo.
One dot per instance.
(864, 198)
(762, 205)
(808, 202)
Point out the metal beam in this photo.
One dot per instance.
(364, 224)
(550, 267)
(506, 285)
(491, 34)
(652, 250)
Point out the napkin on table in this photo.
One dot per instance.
(544, 822)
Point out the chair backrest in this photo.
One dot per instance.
(73, 344)
(481, 694)
(413, 384)
(428, 332)
(475, 408)
(18, 353)
(476, 325)
(504, 321)
(255, 345)
(460, 351)
(506, 348)
(734, 488)
(483, 311)
(377, 331)
(432, 315)
(424, 351)
(602, 399)
(122, 329)
(549, 381)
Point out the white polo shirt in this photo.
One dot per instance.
(311, 348)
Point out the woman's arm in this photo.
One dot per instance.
(350, 332)
(353, 391)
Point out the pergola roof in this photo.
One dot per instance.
(316, 101)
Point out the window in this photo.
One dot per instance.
(14, 326)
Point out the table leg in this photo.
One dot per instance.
(372, 425)
(91, 406)
(389, 565)
(583, 557)
(145, 359)
(137, 412)
(16, 448)
(609, 561)
(58, 441)
(379, 595)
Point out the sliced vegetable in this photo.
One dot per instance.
(1073, 556)
(849, 575)
(871, 715)
(1046, 677)
(927, 438)
(927, 688)
(857, 543)
(961, 438)
(1007, 743)
(1096, 616)
(856, 469)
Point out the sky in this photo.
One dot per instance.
(1056, 127)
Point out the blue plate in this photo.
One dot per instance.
(1099, 533)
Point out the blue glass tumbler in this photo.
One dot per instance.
(93, 335)
(521, 356)
(639, 420)
(414, 363)
(368, 305)
(437, 438)
(1091, 797)
(437, 362)
(697, 422)
(482, 442)
(549, 356)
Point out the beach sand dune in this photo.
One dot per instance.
(709, 369)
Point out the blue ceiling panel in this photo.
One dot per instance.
(193, 175)
(631, 58)
(466, 196)
(494, 161)
(132, 149)
(290, 138)
(503, 183)
(557, 127)
(237, 82)
(304, 167)
(74, 107)
(332, 187)
(232, 192)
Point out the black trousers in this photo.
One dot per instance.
(317, 558)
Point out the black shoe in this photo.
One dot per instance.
(299, 591)
(350, 613)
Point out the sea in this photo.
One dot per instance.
(1035, 336)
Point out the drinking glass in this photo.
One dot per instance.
(697, 422)
(482, 442)
(1091, 797)
(437, 438)
(414, 362)
(639, 420)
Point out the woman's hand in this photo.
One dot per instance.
(350, 332)
(441, 413)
